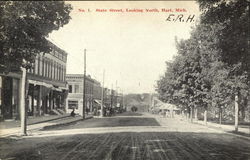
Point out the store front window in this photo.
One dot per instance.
(15, 98)
(1, 112)
(72, 104)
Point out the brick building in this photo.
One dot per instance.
(97, 95)
(46, 86)
(75, 96)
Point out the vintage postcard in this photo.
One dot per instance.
(112, 80)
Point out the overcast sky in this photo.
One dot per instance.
(132, 47)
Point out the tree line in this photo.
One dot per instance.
(212, 67)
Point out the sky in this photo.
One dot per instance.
(130, 48)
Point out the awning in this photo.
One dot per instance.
(98, 101)
(63, 88)
(57, 89)
(40, 83)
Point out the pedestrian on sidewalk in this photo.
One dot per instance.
(72, 114)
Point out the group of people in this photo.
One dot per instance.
(109, 112)
(106, 112)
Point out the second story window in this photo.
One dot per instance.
(70, 88)
(77, 88)
(36, 66)
(40, 66)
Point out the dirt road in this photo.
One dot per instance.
(127, 137)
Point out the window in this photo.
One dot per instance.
(32, 68)
(49, 68)
(15, 95)
(77, 88)
(60, 73)
(40, 66)
(63, 74)
(1, 93)
(36, 66)
(70, 88)
(55, 71)
(44, 67)
(81, 88)
(72, 104)
(52, 70)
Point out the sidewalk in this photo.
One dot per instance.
(242, 130)
(227, 128)
(12, 128)
(30, 120)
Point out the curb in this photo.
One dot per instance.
(62, 117)
(16, 133)
(64, 124)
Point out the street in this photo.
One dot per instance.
(127, 136)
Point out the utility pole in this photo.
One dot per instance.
(102, 93)
(123, 106)
(22, 103)
(84, 82)
(111, 98)
(116, 94)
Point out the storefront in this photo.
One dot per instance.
(43, 98)
(9, 97)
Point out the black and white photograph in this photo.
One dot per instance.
(125, 80)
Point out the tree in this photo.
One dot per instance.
(233, 42)
(24, 27)
(194, 76)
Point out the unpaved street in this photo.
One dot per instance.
(137, 136)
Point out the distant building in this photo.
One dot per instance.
(141, 101)
(75, 96)
(46, 86)
(97, 95)
(112, 99)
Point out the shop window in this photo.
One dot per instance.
(72, 104)
(15, 96)
(0, 94)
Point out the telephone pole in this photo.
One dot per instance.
(102, 93)
(111, 96)
(84, 82)
(22, 103)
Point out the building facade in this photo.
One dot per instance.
(97, 96)
(46, 88)
(75, 95)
